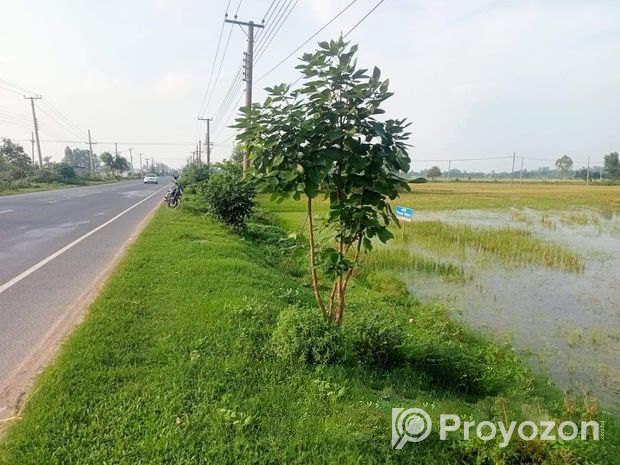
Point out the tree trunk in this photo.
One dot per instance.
(313, 274)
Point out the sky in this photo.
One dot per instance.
(477, 78)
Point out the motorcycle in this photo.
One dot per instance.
(174, 194)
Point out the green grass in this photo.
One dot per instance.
(172, 366)
(464, 195)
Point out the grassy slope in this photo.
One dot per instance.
(172, 356)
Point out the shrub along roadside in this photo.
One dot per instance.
(173, 365)
(228, 197)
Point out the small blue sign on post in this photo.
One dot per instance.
(404, 213)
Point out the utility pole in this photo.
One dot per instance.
(141, 169)
(588, 172)
(32, 142)
(249, 64)
(200, 150)
(36, 127)
(521, 173)
(131, 159)
(512, 173)
(90, 157)
(449, 169)
(207, 139)
(152, 165)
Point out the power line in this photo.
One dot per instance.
(217, 76)
(79, 130)
(234, 96)
(10, 114)
(61, 124)
(460, 159)
(269, 9)
(21, 124)
(73, 141)
(271, 25)
(308, 39)
(268, 43)
(18, 89)
(235, 82)
(217, 51)
(363, 18)
(234, 109)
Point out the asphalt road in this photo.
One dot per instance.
(53, 246)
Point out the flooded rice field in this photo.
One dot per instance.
(567, 322)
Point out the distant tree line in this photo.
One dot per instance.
(563, 170)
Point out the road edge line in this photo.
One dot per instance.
(15, 389)
(24, 274)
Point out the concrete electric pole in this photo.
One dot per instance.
(208, 138)
(249, 64)
(131, 159)
(90, 147)
(32, 142)
(36, 127)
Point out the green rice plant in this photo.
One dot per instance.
(401, 258)
(547, 222)
(578, 217)
(521, 217)
(512, 246)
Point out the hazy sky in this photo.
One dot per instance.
(476, 77)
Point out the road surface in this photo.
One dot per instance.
(53, 247)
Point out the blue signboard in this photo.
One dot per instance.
(404, 213)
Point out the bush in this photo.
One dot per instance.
(303, 334)
(55, 172)
(194, 173)
(376, 338)
(15, 185)
(229, 198)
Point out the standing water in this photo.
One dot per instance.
(567, 323)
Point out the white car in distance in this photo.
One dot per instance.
(150, 178)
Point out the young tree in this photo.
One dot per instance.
(120, 163)
(79, 159)
(236, 155)
(14, 162)
(325, 138)
(108, 160)
(612, 165)
(434, 172)
(564, 164)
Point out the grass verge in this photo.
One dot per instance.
(48, 186)
(173, 365)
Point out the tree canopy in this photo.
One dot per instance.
(612, 165)
(326, 138)
(15, 163)
(564, 164)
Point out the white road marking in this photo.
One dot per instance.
(52, 201)
(45, 261)
(5, 211)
